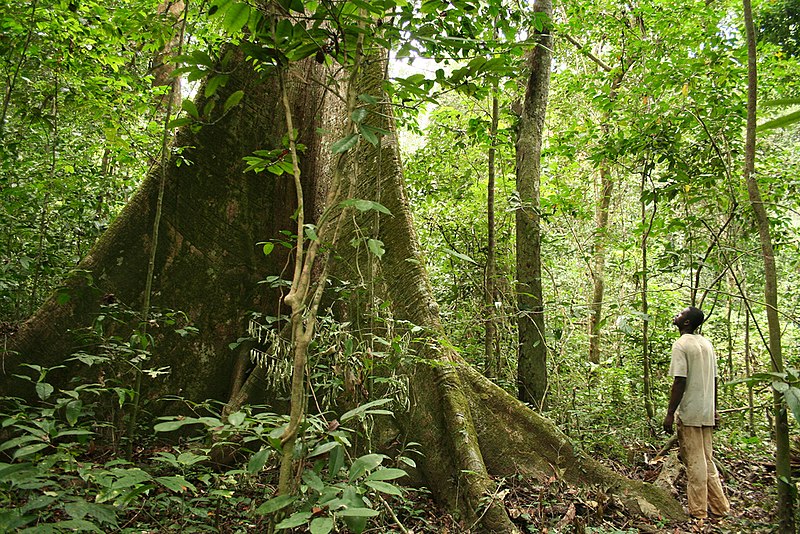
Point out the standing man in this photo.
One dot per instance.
(694, 397)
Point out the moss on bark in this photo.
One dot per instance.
(208, 262)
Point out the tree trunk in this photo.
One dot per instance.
(492, 354)
(469, 429)
(532, 349)
(647, 226)
(207, 263)
(783, 469)
(599, 261)
(601, 234)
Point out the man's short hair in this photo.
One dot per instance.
(695, 317)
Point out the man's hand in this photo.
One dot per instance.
(669, 421)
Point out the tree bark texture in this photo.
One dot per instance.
(532, 348)
(469, 429)
(599, 260)
(783, 468)
(207, 262)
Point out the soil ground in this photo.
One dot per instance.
(554, 507)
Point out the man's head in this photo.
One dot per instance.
(689, 319)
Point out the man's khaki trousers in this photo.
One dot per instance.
(703, 488)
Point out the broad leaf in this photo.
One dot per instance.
(384, 487)
(276, 503)
(258, 461)
(792, 396)
(321, 525)
(344, 144)
(294, 520)
(390, 473)
(236, 17)
(232, 100)
(365, 463)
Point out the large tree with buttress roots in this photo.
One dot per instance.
(213, 218)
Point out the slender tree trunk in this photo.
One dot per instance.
(601, 237)
(532, 348)
(490, 292)
(783, 469)
(163, 66)
(599, 262)
(647, 224)
(748, 373)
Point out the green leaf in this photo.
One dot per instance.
(390, 473)
(369, 134)
(780, 122)
(189, 107)
(359, 115)
(366, 205)
(311, 232)
(384, 487)
(75, 432)
(268, 247)
(313, 481)
(44, 390)
(321, 525)
(73, 411)
(780, 387)
(335, 461)
(80, 509)
(232, 100)
(215, 83)
(322, 449)
(365, 463)
(362, 409)
(376, 247)
(180, 121)
(236, 17)
(9, 469)
(189, 458)
(293, 5)
(792, 396)
(459, 255)
(178, 484)
(169, 426)
(344, 144)
(16, 442)
(236, 418)
(276, 503)
(357, 512)
(369, 99)
(781, 102)
(258, 461)
(294, 520)
(22, 452)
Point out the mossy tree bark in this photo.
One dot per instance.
(207, 263)
(470, 430)
(532, 350)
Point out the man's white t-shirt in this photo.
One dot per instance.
(693, 357)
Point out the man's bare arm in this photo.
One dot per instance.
(675, 396)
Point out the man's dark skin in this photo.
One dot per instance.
(679, 383)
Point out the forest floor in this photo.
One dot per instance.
(554, 507)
